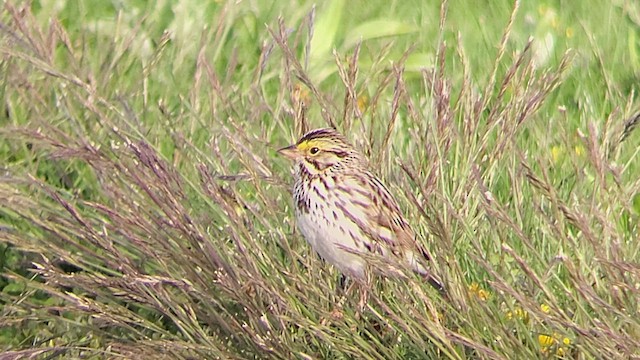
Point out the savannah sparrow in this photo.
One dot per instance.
(345, 212)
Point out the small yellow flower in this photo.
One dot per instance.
(545, 308)
(480, 293)
(518, 314)
(569, 32)
(522, 315)
(550, 342)
(483, 294)
(363, 102)
(579, 150)
(556, 153)
(546, 341)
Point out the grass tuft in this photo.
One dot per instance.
(144, 212)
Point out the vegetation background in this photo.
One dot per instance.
(145, 214)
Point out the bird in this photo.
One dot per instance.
(347, 215)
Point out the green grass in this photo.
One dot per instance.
(144, 212)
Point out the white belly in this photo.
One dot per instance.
(330, 239)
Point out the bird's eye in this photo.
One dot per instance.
(314, 150)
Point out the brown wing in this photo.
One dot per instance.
(386, 215)
(382, 222)
(385, 226)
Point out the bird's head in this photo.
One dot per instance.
(322, 149)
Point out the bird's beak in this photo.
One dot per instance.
(290, 152)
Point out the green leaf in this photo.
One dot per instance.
(636, 203)
(419, 61)
(14, 288)
(377, 29)
(632, 42)
(326, 28)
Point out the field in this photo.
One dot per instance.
(145, 214)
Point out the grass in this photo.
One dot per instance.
(145, 214)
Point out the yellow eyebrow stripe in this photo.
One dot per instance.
(308, 144)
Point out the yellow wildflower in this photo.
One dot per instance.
(556, 153)
(363, 102)
(479, 292)
(518, 314)
(549, 343)
(569, 32)
(546, 341)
